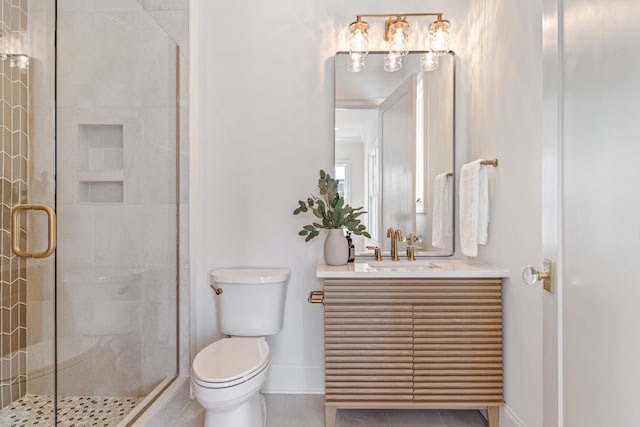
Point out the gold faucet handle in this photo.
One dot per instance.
(376, 252)
(411, 252)
(411, 238)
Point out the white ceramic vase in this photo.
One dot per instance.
(336, 247)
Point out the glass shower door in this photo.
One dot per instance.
(89, 128)
(116, 148)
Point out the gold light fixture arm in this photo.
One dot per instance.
(388, 15)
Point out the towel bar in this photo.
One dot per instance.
(492, 162)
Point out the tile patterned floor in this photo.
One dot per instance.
(34, 410)
(308, 411)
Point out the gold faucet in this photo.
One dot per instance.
(396, 236)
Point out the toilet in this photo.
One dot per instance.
(227, 375)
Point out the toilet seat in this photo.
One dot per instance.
(230, 361)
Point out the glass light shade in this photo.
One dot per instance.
(429, 61)
(359, 38)
(19, 61)
(439, 37)
(399, 38)
(356, 62)
(392, 62)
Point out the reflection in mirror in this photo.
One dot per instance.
(394, 150)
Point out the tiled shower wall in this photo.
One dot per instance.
(13, 179)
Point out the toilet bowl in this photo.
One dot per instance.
(227, 375)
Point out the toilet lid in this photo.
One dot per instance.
(230, 359)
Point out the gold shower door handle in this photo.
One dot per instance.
(15, 232)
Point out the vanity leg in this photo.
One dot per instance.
(330, 416)
(493, 415)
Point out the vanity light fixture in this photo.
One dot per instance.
(396, 33)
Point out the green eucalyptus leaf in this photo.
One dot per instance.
(331, 209)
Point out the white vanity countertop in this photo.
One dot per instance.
(409, 269)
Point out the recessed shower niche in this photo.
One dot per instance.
(101, 174)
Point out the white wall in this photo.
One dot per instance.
(503, 64)
(262, 128)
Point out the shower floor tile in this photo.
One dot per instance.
(34, 410)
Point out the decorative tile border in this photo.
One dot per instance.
(14, 137)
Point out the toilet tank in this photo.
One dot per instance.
(252, 300)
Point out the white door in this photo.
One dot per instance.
(590, 213)
(601, 220)
(397, 118)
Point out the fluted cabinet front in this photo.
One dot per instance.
(413, 343)
(458, 344)
(368, 351)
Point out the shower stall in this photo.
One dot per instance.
(89, 213)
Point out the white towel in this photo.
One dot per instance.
(442, 227)
(474, 207)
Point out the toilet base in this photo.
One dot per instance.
(252, 413)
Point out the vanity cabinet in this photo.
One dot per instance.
(425, 343)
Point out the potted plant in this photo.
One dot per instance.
(334, 215)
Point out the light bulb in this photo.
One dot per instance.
(439, 37)
(392, 62)
(359, 38)
(356, 62)
(399, 37)
(428, 61)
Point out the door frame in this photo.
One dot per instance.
(552, 208)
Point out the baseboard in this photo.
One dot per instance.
(285, 378)
(166, 408)
(508, 418)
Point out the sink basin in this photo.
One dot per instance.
(400, 266)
